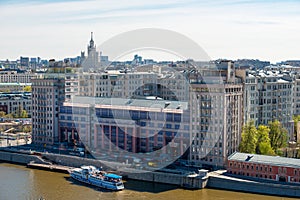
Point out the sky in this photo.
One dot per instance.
(232, 29)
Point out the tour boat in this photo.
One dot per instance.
(93, 176)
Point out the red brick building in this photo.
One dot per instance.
(266, 167)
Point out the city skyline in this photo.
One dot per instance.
(264, 30)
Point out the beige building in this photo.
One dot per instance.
(48, 92)
(216, 117)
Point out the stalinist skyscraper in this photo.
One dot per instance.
(91, 62)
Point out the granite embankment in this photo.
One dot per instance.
(20, 158)
(213, 180)
(255, 185)
(195, 182)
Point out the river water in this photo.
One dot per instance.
(18, 183)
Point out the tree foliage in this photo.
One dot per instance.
(296, 119)
(266, 140)
(27, 88)
(2, 113)
(278, 135)
(263, 145)
(9, 115)
(249, 140)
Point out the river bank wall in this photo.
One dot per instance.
(229, 183)
(18, 158)
(211, 181)
(194, 182)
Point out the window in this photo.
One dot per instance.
(168, 126)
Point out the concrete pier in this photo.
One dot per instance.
(56, 168)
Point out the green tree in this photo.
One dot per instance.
(2, 113)
(27, 128)
(10, 116)
(27, 88)
(296, 119)
(249, 140)
(263, 145)
(278, 136)
(23, 114)
(69, 70)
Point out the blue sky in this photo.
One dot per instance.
(267, 30)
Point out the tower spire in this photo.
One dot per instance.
(92, 41)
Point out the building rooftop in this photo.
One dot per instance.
(262, 159)
(15, 84)
(132, 103)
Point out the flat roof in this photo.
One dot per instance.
(263, 159)
(15, 84)
(156, 104)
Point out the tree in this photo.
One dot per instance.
(249, 140)
(26, 128)
(263, 145)
(2, 113)
(69, 70)
(296, 119)
(278, 136)
(27, 88)
(23, 114)
(10, 116)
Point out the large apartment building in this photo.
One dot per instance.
(14, 77)
(216, 115)
(271, 94)
(48, 93)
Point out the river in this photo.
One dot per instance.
(18, 183)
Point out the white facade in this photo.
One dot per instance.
(270, 95)
(14, 77)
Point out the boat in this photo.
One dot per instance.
(93, 176)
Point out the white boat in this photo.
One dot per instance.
(93, 176)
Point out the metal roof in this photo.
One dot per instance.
(262, 159)
(146, 103)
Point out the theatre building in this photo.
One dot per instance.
(266, 167)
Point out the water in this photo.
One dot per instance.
(18, 183)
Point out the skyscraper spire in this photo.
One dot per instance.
(91, 41)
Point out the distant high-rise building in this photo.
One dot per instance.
(91, 62)
(24, 62)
